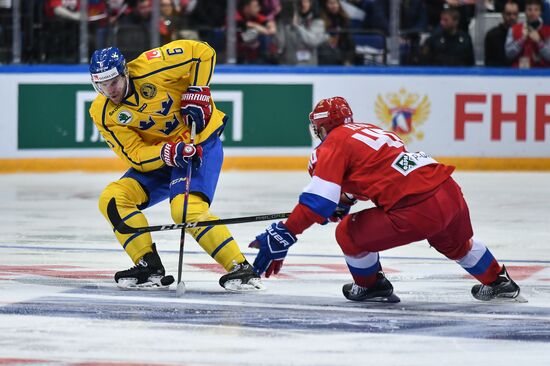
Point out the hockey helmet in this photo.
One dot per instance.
(107, 64)
(329, 113)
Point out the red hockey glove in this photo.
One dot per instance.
(196, 106)
(179, 154)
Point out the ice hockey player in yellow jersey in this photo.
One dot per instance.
(144, 111)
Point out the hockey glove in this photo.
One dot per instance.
(196, 106)
(180, 154)
(341, 211)
(273, 245)
(343, 208)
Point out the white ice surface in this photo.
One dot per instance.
(59, 304)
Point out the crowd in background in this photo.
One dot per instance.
(290, 32)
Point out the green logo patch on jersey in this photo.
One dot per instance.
(405, 163)
(124, 117)
(148, 90)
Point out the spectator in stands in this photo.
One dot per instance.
(465, 8)
(6, 37)
(118, 10)
(300, 32)
(495, 55)
(546, 12)
(207, 15)
(169, 21)
(412, 16)
(528, 45)
(340, 48)
(141, 12)
(449, 45)
(358, 12)
(271, 8)
(62, 27)
(184, 28)
(254, 36)
(501, 4)
(413, 22)
(132, 33)
(205, 20)
(433, 12)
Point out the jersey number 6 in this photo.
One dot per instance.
(174, 51)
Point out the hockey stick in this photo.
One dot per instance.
(181, 286)
(122, 228)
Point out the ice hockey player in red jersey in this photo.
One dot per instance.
(415, 198)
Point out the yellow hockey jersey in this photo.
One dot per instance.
(137, 128)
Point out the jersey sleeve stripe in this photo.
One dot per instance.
(323, 188)
(318, 204)
(166, 68)
(150, 160)
(212, 64)
(197, 66)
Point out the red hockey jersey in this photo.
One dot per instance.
(367, 162)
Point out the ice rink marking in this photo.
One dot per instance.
(390, 309)
(309, 255)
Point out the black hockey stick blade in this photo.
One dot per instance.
(123, 228)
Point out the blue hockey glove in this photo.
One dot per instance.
(273, 245)
(196, 106)
(179, 154)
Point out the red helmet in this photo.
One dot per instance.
(330, 113)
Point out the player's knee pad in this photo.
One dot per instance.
(344, 239)
(127, 192)
(197, 208)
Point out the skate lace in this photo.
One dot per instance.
(356, 289)
(486, 290)
(141, 263)
(236, 267)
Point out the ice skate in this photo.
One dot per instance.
(148, 274)
(503, 288)
(382, 291)
(241, 278)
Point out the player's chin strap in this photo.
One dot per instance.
(120, 226)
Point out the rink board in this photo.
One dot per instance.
(473, 118)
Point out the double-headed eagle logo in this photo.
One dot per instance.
(403, 113)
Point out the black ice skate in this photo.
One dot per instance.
(147, 274)
(382, 291)
(241, 278)
(503, 288)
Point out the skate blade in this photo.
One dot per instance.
(154, 283)
(392, 299)
(520, 299)
(506, 300)
(253, 285)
